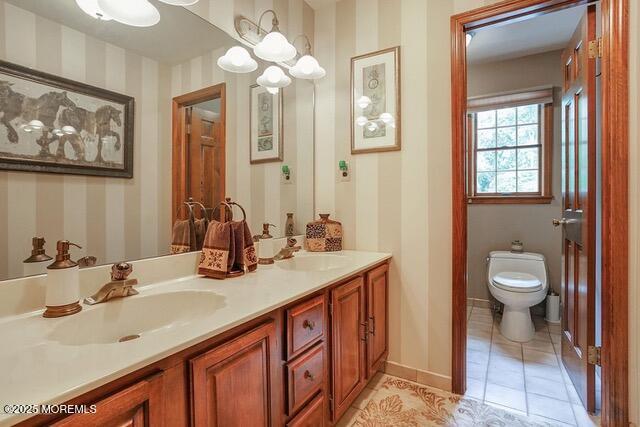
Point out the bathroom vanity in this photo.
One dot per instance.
(291, 344)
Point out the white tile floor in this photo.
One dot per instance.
(528, 378)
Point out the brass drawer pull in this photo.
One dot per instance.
(308, 375)
(309, 324)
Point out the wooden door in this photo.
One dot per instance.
(579, 208)
(231, 384)
(348, 348)
(206, 157)
(377, 303)
(139, 405)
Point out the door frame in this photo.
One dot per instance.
(615, 177)
(180, 144)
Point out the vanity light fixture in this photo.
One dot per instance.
(273, 77)
(137, 13)
(273, 90)
(91, 8)
(69, 130)
(372, 126)
(180, 2)
(237, 60)
(361, 121)
(274, 46)
(386, 118)
(468, 37)
(307, 67)
(363, 102)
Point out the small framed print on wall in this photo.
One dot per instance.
(375, 101)
(266, 126)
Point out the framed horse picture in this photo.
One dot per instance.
(55, 125)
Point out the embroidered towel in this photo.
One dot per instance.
(200, 225)
(218, 251)
(245, 251)
(182, 237)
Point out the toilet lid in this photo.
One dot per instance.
(517, 282)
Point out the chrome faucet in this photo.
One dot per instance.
(118, 287)
(288, 251)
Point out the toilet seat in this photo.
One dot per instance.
(517, 282)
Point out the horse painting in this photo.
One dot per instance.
(52, 124)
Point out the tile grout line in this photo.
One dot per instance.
(524, 381)
(486, 373)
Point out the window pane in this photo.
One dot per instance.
(506, 182)
(528, 114)
(507, 117)
(507, 137)
(486, 182)
(528, 181)
(486, 119)
(486, 161)
(528, 158)
(528, 135)
(507, 160)
(486, 138)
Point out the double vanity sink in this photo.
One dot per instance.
(56, 360)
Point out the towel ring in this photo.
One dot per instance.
(189, 206)
(228, 209)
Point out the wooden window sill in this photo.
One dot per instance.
(509, 200)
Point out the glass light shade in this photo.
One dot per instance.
(180, 2)
(35, 124)
(237, 60)
(91, 8)
(57, 132)
(274, 47)
(137, 13)
(361, 121)
(307, 67)
(386, 118)
(69, 130)
(363, 102)
(372, 126)
(468, 37)
(273, 77)
(26, 128)
(273, 90)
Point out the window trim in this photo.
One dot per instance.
(545, 195)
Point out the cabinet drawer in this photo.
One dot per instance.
(311, 416)
(305, 325)
(305, 377)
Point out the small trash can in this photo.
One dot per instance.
(553, 308)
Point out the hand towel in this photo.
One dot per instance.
(182, 237)
(245, 251)
(200, 225)
(218, 251)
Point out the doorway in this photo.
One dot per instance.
(577, 335)
(199, 148)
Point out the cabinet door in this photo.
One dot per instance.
(311, 416)
(377, 309)
(231, 384)
(140, 405)
(348, 344)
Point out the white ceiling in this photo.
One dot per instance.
(318, 4)
(180, 35)
(543, 33)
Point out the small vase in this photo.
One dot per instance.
(289, 226)
(324, 235)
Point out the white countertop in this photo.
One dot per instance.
(37, 369)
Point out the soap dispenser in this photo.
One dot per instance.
(37, 262)
(63, 283)
(266, 250)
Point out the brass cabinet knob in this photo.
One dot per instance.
(308, 375)
(309, 324)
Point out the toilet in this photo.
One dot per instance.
(519, 281)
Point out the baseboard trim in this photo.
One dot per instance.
(427, 378)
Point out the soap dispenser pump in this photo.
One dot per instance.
(63, 283)
(37, 262)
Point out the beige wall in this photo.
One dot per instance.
(402, 199)
(494, 227)
(112, 218)
(259, 188)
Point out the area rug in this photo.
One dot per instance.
(401, 403)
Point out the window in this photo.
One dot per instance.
(510, 152)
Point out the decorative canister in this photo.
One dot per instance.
(324, 235)
(289, 226)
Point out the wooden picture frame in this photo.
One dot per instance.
(369, 78)
(266, 130)
(56, 125)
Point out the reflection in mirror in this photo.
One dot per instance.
(182, 129)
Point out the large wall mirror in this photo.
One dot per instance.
(107, 129)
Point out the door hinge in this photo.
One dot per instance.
(593, 355)
(595, 48)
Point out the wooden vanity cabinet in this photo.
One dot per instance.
(231, 384)
(377, 322)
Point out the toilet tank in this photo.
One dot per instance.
(526, 262)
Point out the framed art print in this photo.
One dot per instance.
(375, 101)
(56, 125)
(266, 126)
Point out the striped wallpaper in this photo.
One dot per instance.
(110, 218)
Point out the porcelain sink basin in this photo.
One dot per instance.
(130, 318)
(317, 262)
